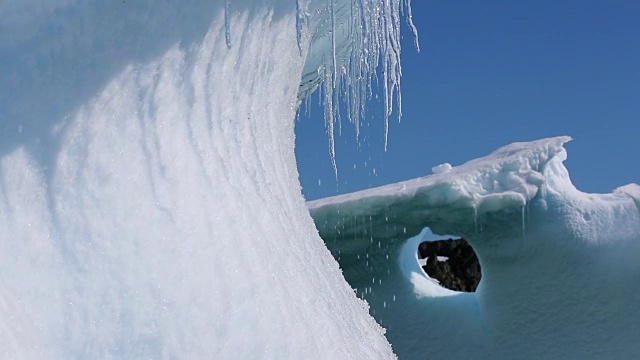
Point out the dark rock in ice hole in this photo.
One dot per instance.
(460, 271)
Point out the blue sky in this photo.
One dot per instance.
(491, 73)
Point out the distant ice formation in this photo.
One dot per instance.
(560, 267)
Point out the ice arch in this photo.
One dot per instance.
(149, 201)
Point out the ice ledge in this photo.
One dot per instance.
(508, 178)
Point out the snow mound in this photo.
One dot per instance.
(508, 178)
(441, 169)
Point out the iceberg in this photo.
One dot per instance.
(150, 205)
(149, 197)
(559, 267)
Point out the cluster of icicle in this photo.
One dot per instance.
(357, 39)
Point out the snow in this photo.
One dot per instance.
(632, 190)
(441, 169)
(559, 267)
(424, 286)
(149, 197)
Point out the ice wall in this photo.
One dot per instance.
(559, 267)
(149, 201)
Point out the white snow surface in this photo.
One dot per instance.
(559, 267)
(149, 197)
(632, 190)
(442, 168)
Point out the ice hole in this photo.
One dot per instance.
(451, 262)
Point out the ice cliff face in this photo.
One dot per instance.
(149, 197)
(559, 266)
(509, 178)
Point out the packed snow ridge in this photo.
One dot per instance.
(559, 267)
(506, 179)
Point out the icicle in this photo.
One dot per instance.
(523, 223)
(298, 26)
(414, 30)
(329, 118)
(227, 24)
(364, 37)
(475, 218)
(333, 44)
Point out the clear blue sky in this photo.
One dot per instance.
(491, 73)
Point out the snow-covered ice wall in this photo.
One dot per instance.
(149, 197)
(560, 267)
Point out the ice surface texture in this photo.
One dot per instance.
(560, 267)
(149, 197)
(150, 207)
